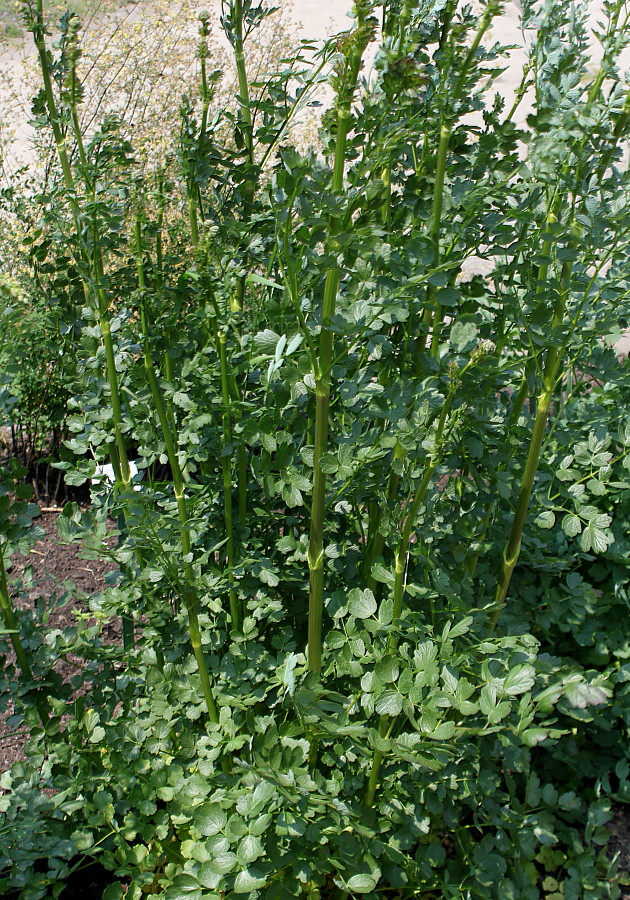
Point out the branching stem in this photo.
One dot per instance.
(323, 373)
(401, 557)
(178, 487)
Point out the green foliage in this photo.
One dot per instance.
(34, 358)
(372, 565)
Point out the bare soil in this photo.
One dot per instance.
(620, 843)
(56, 567)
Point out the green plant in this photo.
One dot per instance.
(34, 357)
(336, 685)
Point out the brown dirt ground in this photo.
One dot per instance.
(54, 565)
(620, 843)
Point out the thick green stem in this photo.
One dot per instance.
(193, 189)
(419, 496)
(401, 558)
(403, 545)
(242, 484)
(10, 620)
(127, 624)
(446, 130)
(446, 23)
(515, 413)
(519, 403)
(247, 129)
(513, 547)
(244, 113)
(121, 463)
(237, 299)
(322, 406)
(553, 361)
(521, 395)
(195, 640)
(74, 106)
(386, 206)
(159, 269)
(436, 223)
(473, 561)
(206, 93)
(93, 264)
(322, 373)
(316, 543)
(484, 23)
(520, 92)
(159, 405)
(192, 217)
(377, 545)
(178, 488)
(377, 761)
(226, 463)
(159, 240)
(124, 474)
(39, 31)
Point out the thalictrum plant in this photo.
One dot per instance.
(346, 675)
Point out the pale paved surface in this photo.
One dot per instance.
(317, 19)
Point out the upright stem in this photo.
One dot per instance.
(322, 372)
(10, 620)
(521, 395)
(124, 473)
(446, 23)
(178, 488)
(226, 464)
(436, 223)
(74, 53)
(519, 402)
(200, 659)
(246, 123)
(386, 207)
(206, 93)
(401, 558)
(159, 268)
(126, 621)
(93, 263)
(118, 455)
(484, 23)
(192, 215)
(446, 130)
(8, 614)
(38, 31)
(237, 299)
(553, 360)
(245, 113)
(513, 546)
(420, 494)
(512, 549)
(377, 545)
